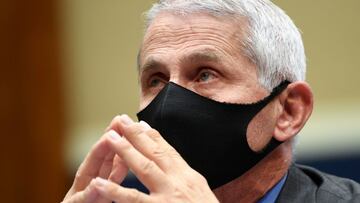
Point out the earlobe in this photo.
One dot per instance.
(295, 107)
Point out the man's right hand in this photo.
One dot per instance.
(101, 162)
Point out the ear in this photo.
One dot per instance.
(296, 104)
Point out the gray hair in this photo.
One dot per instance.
(273, 43)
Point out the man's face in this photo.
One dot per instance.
(203, 54)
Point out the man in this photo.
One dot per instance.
(222, 98)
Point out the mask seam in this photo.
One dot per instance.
(163, 102)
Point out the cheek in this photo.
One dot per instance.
(261, 128)
(144, 101)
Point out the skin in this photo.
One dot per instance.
(201, 53)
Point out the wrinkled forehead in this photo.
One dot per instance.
(167, 26)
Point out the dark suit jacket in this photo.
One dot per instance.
(307, 185)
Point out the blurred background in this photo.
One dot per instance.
(69, 66)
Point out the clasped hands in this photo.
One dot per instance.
(136, 146)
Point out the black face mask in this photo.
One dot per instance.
(209, 135)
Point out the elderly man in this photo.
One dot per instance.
(222, 97)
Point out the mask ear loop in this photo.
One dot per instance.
(281, 87)
(276, 91)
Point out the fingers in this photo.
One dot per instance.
(119, 170)
(149, 142)
(91, 166)
(122, 123)
(98, 162)
(89, 195)
(117, 193)
(142, 149)
(106, 166)
(163, 152)
(146, 170)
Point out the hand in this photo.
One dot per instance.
(156, 164)
(100, 162)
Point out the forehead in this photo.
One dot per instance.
(178, 31)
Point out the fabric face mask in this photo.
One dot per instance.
(209, 135)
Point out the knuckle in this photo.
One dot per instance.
(202, 179)
(153, 134)
(78, 176)
(178, 193)
(164, 147)
(168, 151)
(159, 152)
(195, 177)
(115, 121)
(172, 152)
(135, 129)
(147, 167)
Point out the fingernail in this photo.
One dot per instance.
(114, 135)
(100, 182)
(126, 120)
(145, 125)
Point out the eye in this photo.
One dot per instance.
(156, 80)
(205, 76)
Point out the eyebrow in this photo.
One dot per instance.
(150, 64)
(203, 55)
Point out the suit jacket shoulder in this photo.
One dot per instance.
(306, 184)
